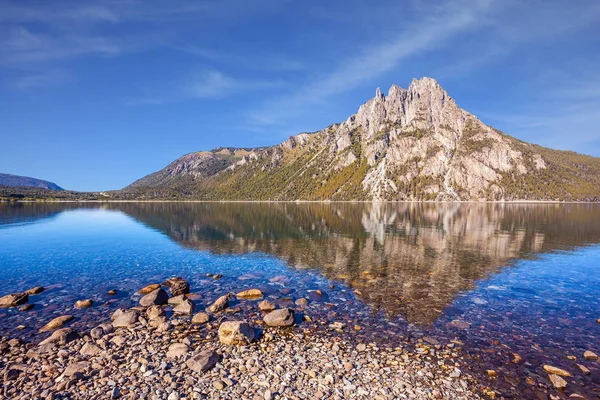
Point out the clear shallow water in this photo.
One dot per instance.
(500, 279)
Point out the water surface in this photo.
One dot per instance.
(496, 279)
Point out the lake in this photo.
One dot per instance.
(516, 286)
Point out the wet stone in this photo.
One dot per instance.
(281, 317)
(156, 297)
(236, 333)
(56, 323)
(13, 300)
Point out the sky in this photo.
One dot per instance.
(96, 94)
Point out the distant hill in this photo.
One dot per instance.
(411, 144)
(25, 181)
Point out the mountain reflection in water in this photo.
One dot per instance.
(407, 259)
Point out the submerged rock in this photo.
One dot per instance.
(236, 333)
(250, 294)
(35, 290)
(220, 304)
(56, 323)
(13, 300)
(556, 371)
(590, 356)
(84, 303)
(282, 317)
(557, 381)
(177, 286)
(60, 336)
(266, 306)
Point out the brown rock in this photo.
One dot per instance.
(60, 336)
(301, 302)
(89, 349)
(516, 358)
(13, 300)
(13, 371)
(156, 297)
(250, 294)
(149, 288)
(76, 368)
(56, 323)
(186, 307)
(266, 306)
(281, 317)
(177, 350)
(35, 290)
(177, 299)
(154, 312)
(112, 292)
(557, 381)
(220, 304)
(583, 369)
(124, 318)
(177, 286)
(590, 356)
(26, 307)
(236, 332)
(203, 361)
(556, 371)
(83, 303)
(200, 318)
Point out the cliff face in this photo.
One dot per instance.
(413, 144)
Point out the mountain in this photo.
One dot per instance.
(25, 181)
(411, 144)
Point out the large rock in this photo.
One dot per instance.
(173, 301)
(558, 382)
(281, 317)
(236, 332)
(186, 307)
(590, 355)
(76, 368)
(13, 300)
(149, 288)
(250, 294)
(101, 330)
(177, 286)
(154, 312)
(124, 318)
(556, 371)
(60, 336)
(89, 349)
(203, 361)
(220, 304)
(56, 323)
(156, 297)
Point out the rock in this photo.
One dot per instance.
(236, 333)
(177, 286)
(89, 349)
(83, 303)
(112, 292)
(217, 276)
(154, 312)
(361, 347)
(491, 373)
(115, 393)
(149, 288)
(60, 336)
(177, 350)
(266, 306)
(203, 361)
(250, 294)
(13, 300)
(583, 369)
(556, 371)
(13, 371)
(164, 327)
(200, 318)
(301, 302)
(174, 396)
(56, 323)
(173, 301)
(219, 385)
(590, 356)
(35, 290)
(26, 307)
(156, 297)
(557, 381)
(516, 358)
(186, 307)
(337, 325)
(220, 304)
(281, 317)
(124, 318)
(76, 368)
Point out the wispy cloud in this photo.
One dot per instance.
(432, 30)
(204, 84)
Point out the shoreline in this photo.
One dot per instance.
(146, 352)
(508, 202)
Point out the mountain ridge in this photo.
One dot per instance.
(411, 144)
(10, 180)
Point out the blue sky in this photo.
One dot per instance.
(95, 94)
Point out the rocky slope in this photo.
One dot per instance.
(413, 144)
(25, 181)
